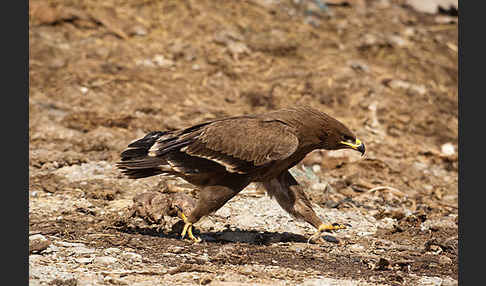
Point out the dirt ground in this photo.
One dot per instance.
(103, 73)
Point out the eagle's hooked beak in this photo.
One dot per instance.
(358, 145)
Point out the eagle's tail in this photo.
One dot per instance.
(135, 161)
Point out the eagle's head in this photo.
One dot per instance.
(334, 136)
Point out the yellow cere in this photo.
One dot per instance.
(355, 145)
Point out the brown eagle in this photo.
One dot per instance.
(221, 157)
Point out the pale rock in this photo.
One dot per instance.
(112, 250)
(105, 260)
(448, 149)
(132, 256)
(161, 61)
(84, 260)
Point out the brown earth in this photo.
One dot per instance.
(103, 73)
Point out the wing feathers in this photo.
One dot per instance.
(236, 142)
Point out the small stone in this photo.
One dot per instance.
(401, 84)
(132, 256)
(356, 248)
(104, 260)
(441, 19)
(51, 248)
(138, 30)
(448, 149)
(388, 223)
(397, 41)
(144, 62)
(237, 48)
(83, 89)
(444, 260)
(120, 205)
(112, 250)
(161, 61)
(318, 186)
(396, 84)
(435, 249)
(37, 243)
(418, 89)
(359, 66)
(84, 260)
(369, 40)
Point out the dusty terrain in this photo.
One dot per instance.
(103, 73)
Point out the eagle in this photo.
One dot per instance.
(221, 157)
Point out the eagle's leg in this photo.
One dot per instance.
(211, 198)
(292, 198)
(187, 228)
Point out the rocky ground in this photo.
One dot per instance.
(103, 73)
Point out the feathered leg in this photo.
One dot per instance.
(291, 197)
(211, 198)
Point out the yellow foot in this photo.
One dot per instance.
(326, 227)
(330, 227)
(187, 228)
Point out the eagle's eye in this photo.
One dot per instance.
(349, 139)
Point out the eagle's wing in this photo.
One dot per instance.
(239, 144)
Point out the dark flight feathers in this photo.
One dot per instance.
(237, 144)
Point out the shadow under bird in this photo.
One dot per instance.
(221, 157)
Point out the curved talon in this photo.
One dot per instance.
(334, 226)
(187, 228)
(327, 227)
